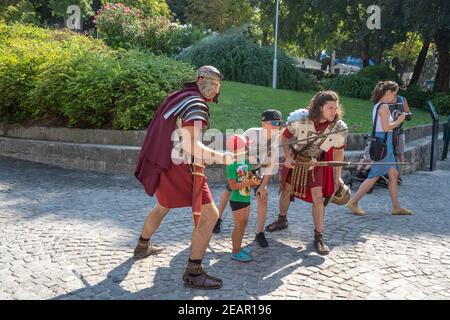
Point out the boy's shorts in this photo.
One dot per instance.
(237, 205)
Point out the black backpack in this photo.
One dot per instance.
(378, 146)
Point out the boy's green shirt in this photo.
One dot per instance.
(239, 171)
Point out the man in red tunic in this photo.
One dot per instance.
(164, 171)
(316, 133)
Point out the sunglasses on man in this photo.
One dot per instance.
(276, 123)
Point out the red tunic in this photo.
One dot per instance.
(176, 185)
(319, 176)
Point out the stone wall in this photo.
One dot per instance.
(117, 151)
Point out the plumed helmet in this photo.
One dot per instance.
(342, 195)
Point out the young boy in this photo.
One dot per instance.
(240, 182)
(271, 121)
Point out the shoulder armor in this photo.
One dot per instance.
(341, 125)
(338, 139)
(184, 104)
(298, 115)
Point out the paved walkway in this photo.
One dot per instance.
(68, 234)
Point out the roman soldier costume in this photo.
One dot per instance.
(163, 170)
(174, 176)
(311, 141)
(316, 142)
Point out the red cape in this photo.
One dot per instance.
(155, 154)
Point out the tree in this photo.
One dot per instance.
(312, 26)
(264, 20)
(59, 7)
(330, 24)
(406, 52)
(431, 18)
(420, 62)
(17, 11)
(178, 9)
(218, 15)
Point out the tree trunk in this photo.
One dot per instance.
(379, 53)
(365, 52)
(442, 81)
(265, 38)
(420, 62)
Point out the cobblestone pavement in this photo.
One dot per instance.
(67, 234)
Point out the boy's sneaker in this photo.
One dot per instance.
(261, 239)
(217, 226)
(241, 256)
(246, 250)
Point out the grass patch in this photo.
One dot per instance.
(241, 105)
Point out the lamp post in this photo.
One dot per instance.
(274, 77)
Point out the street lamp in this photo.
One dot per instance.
(274, 78)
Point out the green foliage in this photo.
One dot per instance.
(441, 102)
(361, 84)
(84, 91)
(379, 73)
(142, 84)
(79, 81)
(178, 8)
(406, 51)
(148, 8)
(119, 26)
(23, 50)
(17, 11)
(239, 59)
(125, 27)
(416, 96)
(59, 7)
(351, 85)
(218, 15)
(164, 37)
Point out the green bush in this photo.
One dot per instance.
(86, 97)
(164, 37)
(119, 26)
(241, 60)
(416, 96)
(361, 84)
(148, 7)
(351, 85)
(125, 27)
(80, 82)
(441, 102)
(379, 73)
(23, 50)
(25, 53)
(142, 84)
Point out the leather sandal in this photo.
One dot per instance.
(196, 277)
(280, 224)
(320, 245)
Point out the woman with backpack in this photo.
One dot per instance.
(385, 93)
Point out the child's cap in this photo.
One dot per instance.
(236, 142)
(271, 114)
